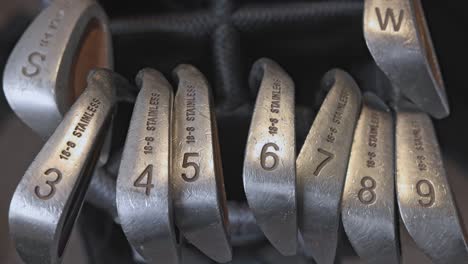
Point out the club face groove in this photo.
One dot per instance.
(269, 166)
(47, 69)
(322, 163)
(425, 199)
(48, 198)
(143, 195)
(198, 189)
(368, 205)
(398, 38)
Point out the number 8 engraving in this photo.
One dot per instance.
(264, 155)
(366, 188)
(51, 183)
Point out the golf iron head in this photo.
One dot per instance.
(369, 204)
(47, 69)
(143, 195)
(398, 38)
(269, 164)
(197, 178)
(48, 198)
(424, 195)
(322, 163)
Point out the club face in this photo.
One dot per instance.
(424, 196)
(322, 163)
(48, 198)
(144, 200)
(368, 205)
(47, 69)
(269, 165)
(197, 180)
(398, 38)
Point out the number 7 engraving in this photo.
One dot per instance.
(328, 158)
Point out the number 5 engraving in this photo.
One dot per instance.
(51, 183)
(186, 164)
(329, 157)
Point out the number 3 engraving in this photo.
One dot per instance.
(50, 183)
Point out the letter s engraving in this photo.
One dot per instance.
(34, 64)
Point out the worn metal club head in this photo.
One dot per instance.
(197, 178)
(369, 204)
(424, 196)
(143, 195)
(269, 165)
(48, 198)
(398, 38)
(47, 69)
(322, 163)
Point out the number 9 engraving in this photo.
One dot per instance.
(264, 155)
(50, 183)
(425, 189)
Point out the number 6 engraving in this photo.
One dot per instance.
(264, 155)
(51, 183)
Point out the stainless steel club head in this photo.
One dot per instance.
(399, 40)
(143, 195)
(47, 69)
(424, 196)
(369, 203)
(197, 178)
(322, 163)
(48, 198)
(269, 165)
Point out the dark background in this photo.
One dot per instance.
(306, 47)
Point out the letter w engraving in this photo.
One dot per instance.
(389, 15)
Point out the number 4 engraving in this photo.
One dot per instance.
(328, 157)
(148, 173)
(389, 16)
